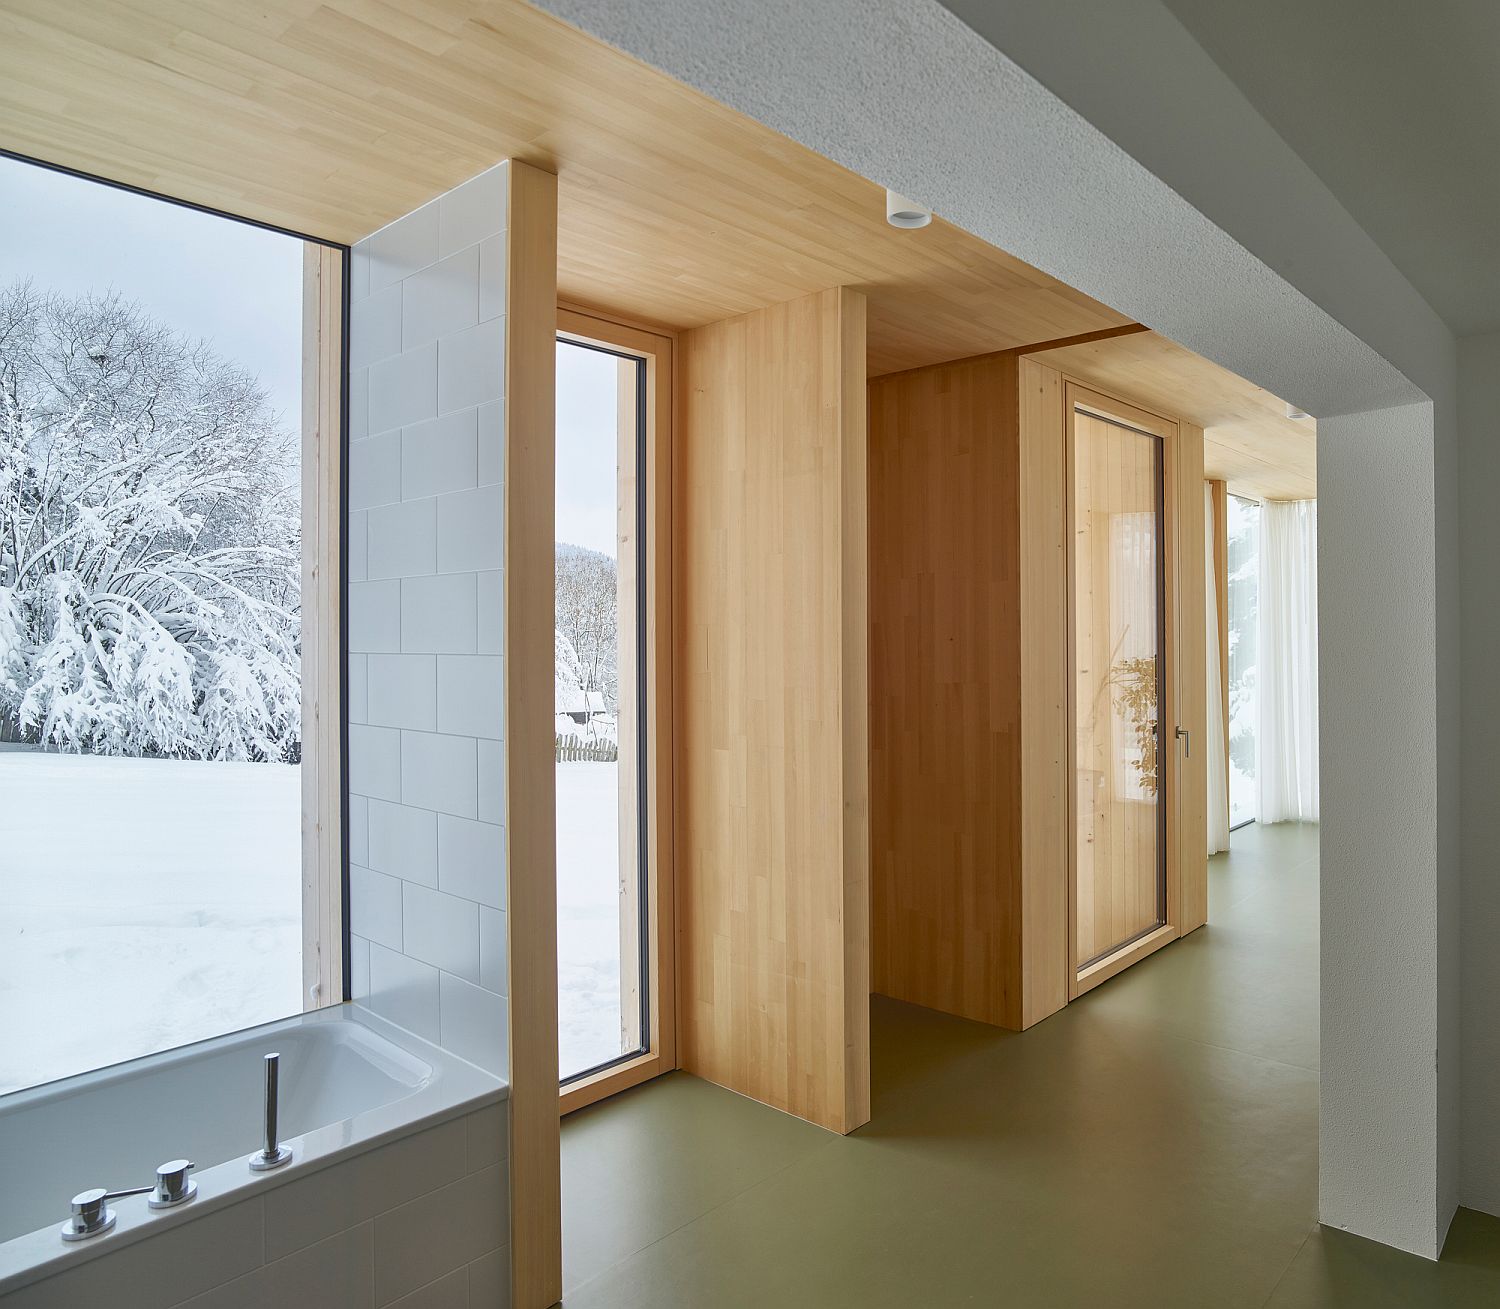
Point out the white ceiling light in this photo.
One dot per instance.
(901, 212)
(1293, 412)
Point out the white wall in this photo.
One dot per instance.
(1216, 234)
(425, 622)
(1479, 466)
(1379, 912)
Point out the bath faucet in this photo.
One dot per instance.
(92, 1215)
(272, 1154)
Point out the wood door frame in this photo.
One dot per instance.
(1092, 400)
(655, 348)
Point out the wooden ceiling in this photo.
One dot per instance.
(1249, 441)
(333, 117)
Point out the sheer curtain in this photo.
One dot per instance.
(1289, 661)
(1218, 780)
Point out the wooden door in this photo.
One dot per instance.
(1121, 723)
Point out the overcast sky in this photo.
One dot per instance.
(587, 448)
(237, 286)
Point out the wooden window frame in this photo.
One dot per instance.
(655, 348)
(325, 979)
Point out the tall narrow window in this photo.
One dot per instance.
(154, 637)
(1242, 523)
(603, 977)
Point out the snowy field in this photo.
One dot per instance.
(588, 915)
(144, 904)
(149, 903)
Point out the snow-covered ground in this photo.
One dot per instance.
(149, 903)
(144, 904)
(588, 915)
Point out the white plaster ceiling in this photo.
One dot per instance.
(1395, 104)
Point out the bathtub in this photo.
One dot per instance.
(397, 1179)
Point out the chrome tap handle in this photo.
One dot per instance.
(173, 1185)
(272, 1154)
(91, 1214)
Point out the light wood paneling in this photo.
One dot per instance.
(657, 351)
(336, 117)
(1192, 683)
(1044, 693)
(1248, 439)
(769, 548)
(968, 689)
(322, 627)
(530, 774)
(945, 689)
(1221, 584)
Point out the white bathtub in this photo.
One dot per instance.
(351, 1085)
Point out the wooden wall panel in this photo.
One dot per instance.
(1044, 693)
(945, 689)
(1192, 681)
(530, 801)
(771, 792)
(1221, 595)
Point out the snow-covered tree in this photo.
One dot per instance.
(588, 616)
(149, 539)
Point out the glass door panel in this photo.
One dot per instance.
(1118, 590)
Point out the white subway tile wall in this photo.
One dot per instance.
(420, 1221)
(426, 624)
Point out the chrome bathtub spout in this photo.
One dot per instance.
(272, 1154)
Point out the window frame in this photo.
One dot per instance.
(325, 656)
(324, 823)
(655, 349)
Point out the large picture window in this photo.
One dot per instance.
(166, 440)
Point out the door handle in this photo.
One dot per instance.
(1186, 737)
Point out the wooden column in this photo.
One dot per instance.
(772, 763)
(322, 625)
(1191, 670)
(1221, 590)
(530, 775)
(969, 689)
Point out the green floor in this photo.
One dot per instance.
(1153, 1144)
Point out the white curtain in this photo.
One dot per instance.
(1218, 780)
(1288, 663)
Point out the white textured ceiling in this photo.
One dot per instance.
(1395, 104)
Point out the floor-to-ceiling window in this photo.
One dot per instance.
(153, 529)
(1242, 521)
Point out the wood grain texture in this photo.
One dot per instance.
(322, 627)
(1221, 585)
(769, 553)
(1044, 693)
(945, 679)
(1248, 439)
(530, 774)
(336, 117)
(1192, 682)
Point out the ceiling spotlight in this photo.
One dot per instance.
(901, 212)
(1293, 412)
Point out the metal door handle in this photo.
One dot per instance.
(1186, 737)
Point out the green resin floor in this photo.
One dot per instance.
(1153, 1144)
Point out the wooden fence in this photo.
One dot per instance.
(570, 750)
